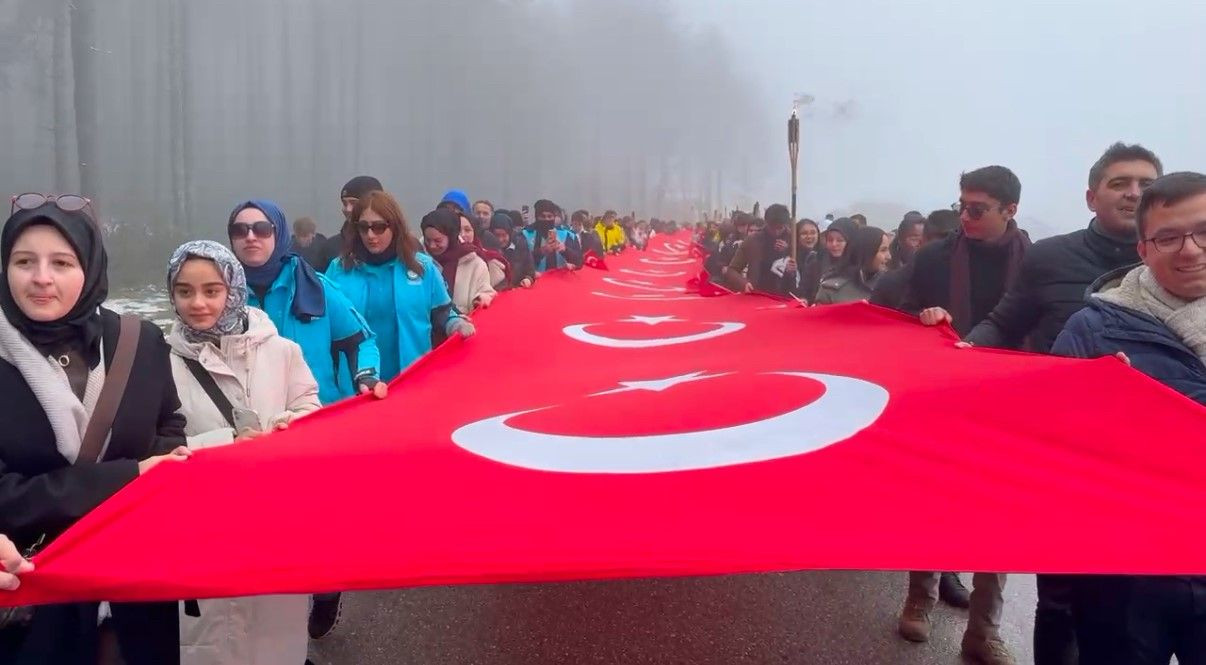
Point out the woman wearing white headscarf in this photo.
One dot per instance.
(237, 379)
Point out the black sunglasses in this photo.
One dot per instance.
(378, 228)
(262, 230)
(34, 200)
(974, 210)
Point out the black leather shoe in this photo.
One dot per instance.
(324, 615)
(950, 590)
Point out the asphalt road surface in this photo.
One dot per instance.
(790, 618)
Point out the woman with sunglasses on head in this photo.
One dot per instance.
(237, 379)
(398, 287)
(89, 405)
(304, 306)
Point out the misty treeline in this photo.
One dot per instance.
(168, 112)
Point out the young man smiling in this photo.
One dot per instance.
(1155, 318)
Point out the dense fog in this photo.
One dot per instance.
(167, 112)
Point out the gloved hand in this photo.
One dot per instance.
(463, 326)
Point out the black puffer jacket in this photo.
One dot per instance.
(1050, 288)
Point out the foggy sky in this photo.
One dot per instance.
(943, 86)
(663, 106)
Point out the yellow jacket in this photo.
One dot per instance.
(612, 238)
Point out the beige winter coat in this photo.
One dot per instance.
(472, 281)
(264, 372)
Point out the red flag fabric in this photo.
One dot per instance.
(646, 431)
(593, 260)
(698, 251)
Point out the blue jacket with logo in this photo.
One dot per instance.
(421, 303)
(330, 344)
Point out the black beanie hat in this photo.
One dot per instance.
(545, 205)
(359, 186)
(501, 220)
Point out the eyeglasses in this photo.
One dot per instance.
(1171, 244)
(262, 230)
(974, 210)
(377, 228)
(34, 200)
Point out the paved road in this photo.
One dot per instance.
(793, 618)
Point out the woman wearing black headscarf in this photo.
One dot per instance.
(57, 345)
(834, 241)
(854, 277)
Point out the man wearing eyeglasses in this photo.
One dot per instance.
(959, 280)
(1154, 317)
(1050, 288)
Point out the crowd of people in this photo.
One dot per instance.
(274, 325)
(282, 321)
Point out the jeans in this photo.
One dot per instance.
(1135, 620)
(1054, 628)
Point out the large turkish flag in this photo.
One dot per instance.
(611, 424)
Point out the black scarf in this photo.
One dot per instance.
(81, 329)
(364, 256)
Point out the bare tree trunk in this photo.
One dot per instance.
(320, 49)
(178, 114)
(64, 140)
(84, 54)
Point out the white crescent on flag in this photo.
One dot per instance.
(848, 406)
(580, 333)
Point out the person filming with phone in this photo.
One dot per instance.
(552, 246)
(238, 380)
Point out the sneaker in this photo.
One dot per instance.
(952, 592)
(986, 651)
(914, 623)
(324, 615)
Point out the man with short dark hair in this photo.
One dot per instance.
(1154, 317)
(959, 280)
(1050, 288)
(349, 195)
(751, 267)
(308, 241)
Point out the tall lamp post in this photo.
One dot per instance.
(793, 151)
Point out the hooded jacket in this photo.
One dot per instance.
(1104, 328)
(264, 372)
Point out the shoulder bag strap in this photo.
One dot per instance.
(210, 386)
(116, 379)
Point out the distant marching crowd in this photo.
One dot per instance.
(281, 321)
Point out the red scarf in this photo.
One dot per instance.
(449, 260)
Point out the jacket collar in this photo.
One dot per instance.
(1112, 248)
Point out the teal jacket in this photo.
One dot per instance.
(332, 343)
(421, 304)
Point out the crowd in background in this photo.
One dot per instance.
(281, 321)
